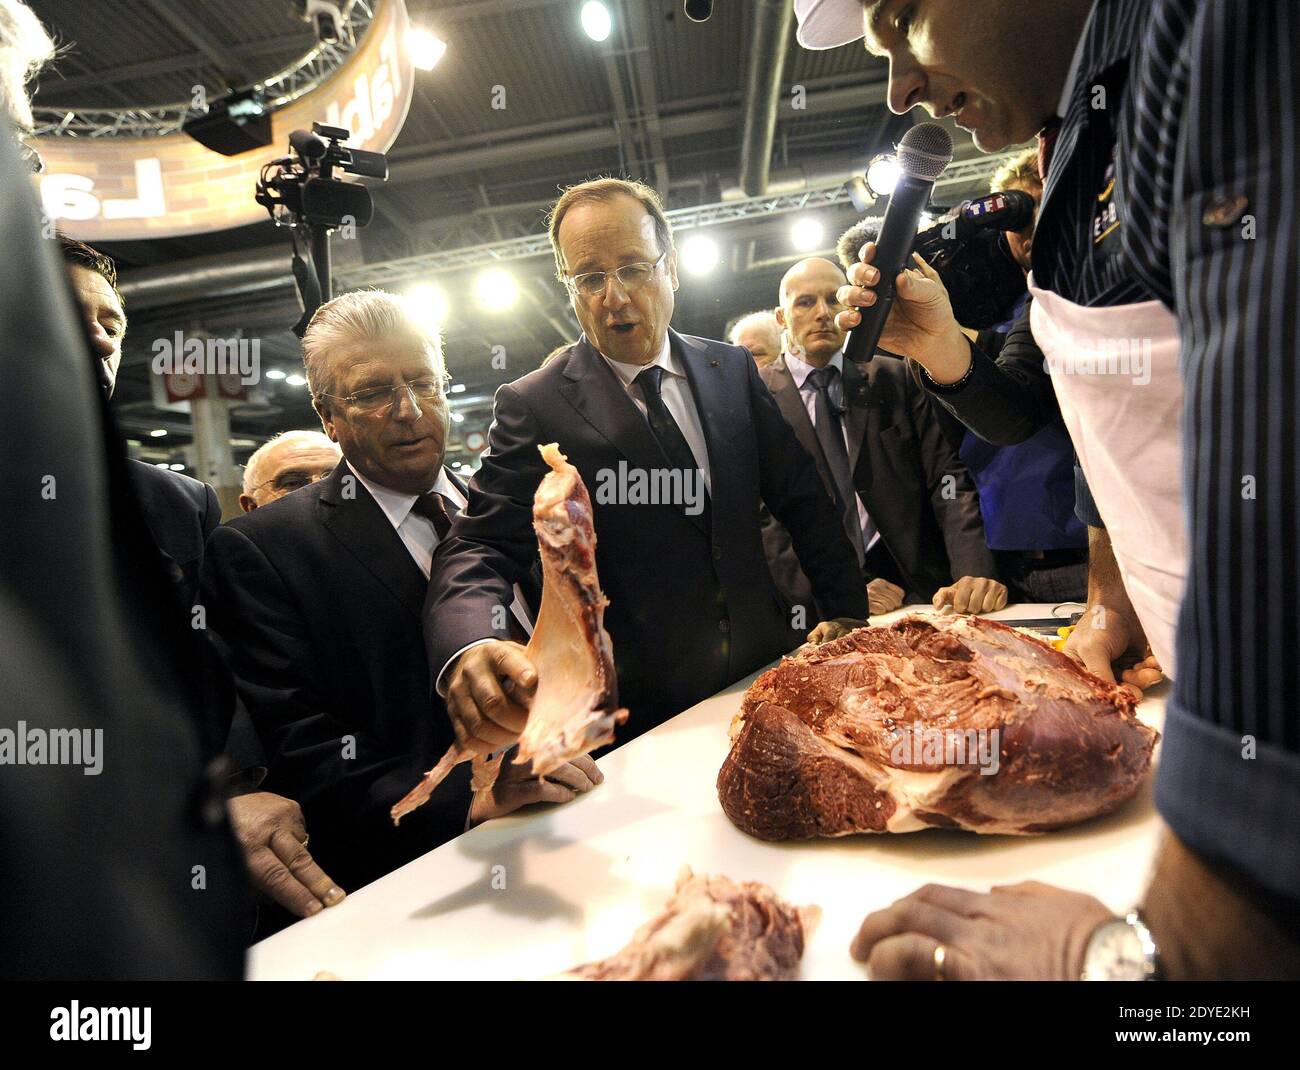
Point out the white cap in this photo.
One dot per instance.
(828, 23)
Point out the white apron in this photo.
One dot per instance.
(1115, 371)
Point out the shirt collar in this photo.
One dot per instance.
(627, 372)
(800, 369)
(396, 505)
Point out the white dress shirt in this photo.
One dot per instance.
(417, 532)
(675, 389)
(800, 370)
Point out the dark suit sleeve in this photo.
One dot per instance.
(795, 494)
(952, 493)
(261, 630)
(211, 511)
(491, 545)
(1004, 401)
(1228, 782)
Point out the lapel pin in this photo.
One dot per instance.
(713, 364)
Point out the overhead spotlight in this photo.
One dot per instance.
(275, 373)
(882, 175)
(158, 432)
(425, 48)
(596, 21)
(295, 380)
(807, 234)
(496, 289)
(700, 255)
(427, 305)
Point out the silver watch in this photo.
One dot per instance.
(1121, 949)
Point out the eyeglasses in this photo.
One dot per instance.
(630, 277)
(380, 399)
(293, 479)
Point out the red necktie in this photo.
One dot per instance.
(432, 507)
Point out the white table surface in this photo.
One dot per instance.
(533, 894)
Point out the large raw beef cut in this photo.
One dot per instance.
(953, 722)
(575, 707)
(712, 929)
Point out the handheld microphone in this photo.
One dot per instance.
(923, 154)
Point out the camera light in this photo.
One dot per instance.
(807, 234)
(596, 21)
(882, 175)
(424, 48)
(700, 255)
(496, 289)
(427, 305)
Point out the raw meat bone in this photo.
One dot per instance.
(712, 928)
(575, 707)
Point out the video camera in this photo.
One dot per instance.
(967, 246)
(300, 191)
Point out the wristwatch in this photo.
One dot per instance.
(1121, 949)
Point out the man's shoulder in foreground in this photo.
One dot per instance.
(154, 482)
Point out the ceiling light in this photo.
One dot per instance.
(424, 48)
(807, 234)
(177, 467)
(158, 432)
(596, 21)
(274, 373)
(427, 305)
(295, 380)
(457, 388)
(882, 175)
(700, 255)
(458, 417)
(496, 289)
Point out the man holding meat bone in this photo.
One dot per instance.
(692, 607)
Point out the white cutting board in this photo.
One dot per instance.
(533, 894)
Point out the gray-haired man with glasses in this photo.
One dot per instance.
(692, 606)
(317, 598)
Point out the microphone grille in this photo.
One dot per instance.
(925, 151)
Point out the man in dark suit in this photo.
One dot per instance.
(316, 599)
(692, 607)
(181, 512)
(906, 500)
(130, 873)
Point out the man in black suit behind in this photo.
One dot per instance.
(316, 599)
(181, 512)
(692, 607)
(906, 499)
